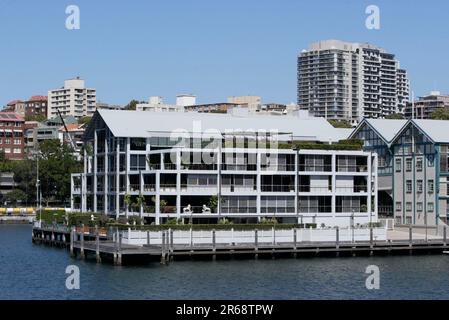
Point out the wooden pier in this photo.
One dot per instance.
(92, 243)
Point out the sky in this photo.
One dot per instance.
(135, 49)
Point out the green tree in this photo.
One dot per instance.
(16, 196)
(56, 164)
(440, 114)
(131, 105)
(38, 118)
(340, 123)
(25, 178)
(84, 120)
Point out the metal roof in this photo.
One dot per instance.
(387, 129)
(124, 123)
(436, 130)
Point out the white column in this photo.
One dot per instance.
(106, 175)
(258, 185)
(158, 197)
(117, 179)
(94, 185)
(334, 187)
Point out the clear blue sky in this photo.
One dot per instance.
(136, 48)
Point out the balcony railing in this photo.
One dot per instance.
(238, 210)
(278, 167)
(134, 187)
(170, 166)
(206, 187)
(149, 187)
(238, 167)
(315, 168)
(276, 210)
(277, 188)
(198, 166)
(168, 187)
(352, 168)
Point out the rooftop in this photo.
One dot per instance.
(145, 123)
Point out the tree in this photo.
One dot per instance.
(84, 120)
(395, 116)
(131, 105)
(16, 196)
(56, 164)
(25, 178)
(440, 114)
(38, 118)
(340, 123)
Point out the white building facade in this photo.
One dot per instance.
(237, 177)
(73, 99)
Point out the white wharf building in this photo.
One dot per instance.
(207, 167)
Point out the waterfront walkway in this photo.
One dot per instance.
(107, 248)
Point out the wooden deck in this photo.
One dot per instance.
(88, 245)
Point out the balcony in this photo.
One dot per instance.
(277, 188)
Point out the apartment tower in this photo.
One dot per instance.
(350, 81)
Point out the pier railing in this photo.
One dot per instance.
(270, 236)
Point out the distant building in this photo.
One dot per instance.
(107, 106)
(72, 99)
(11, 135)
(36, 106)
(218, 107)
(16, 106)
(76, 132)
(425, 106)
(29, 138)
(350, 81)
(251, 102)
(185, 100)
(156, 103)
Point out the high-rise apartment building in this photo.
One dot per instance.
(72, 99)
(342, 80)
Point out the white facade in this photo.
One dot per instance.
(156, 104)
(73, 99)
(179, 181)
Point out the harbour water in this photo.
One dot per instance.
(30, 271)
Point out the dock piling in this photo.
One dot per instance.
(82, 242)
(214, 256)
(97, 245)
(256, 243)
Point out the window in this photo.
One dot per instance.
(398, 206)
(17, 141)
(430, 186)
(430, 161)
(17, 150)
(408, 186)
(408, 206)
(430, 207)
(408, 164)
(419, 206)
(408, 220)
(419, 184)
(7, 150)
(398, 165)
(419, 164)
(137, 162)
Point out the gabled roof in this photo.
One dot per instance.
(10, 116)
(436, 130)
(386, 129)
(124, 123)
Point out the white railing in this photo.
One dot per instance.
(266, 236)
